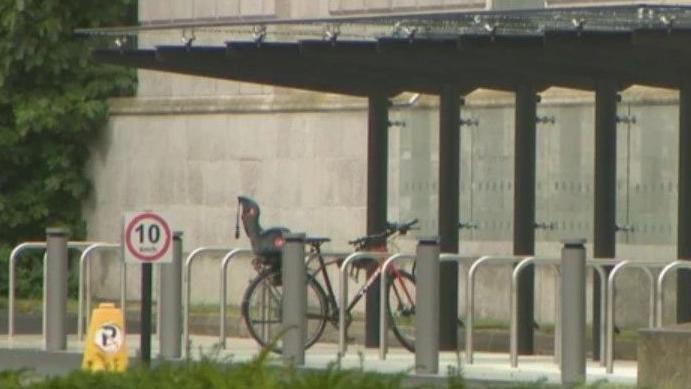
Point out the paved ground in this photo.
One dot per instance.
(494, 367)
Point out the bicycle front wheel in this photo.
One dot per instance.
(262, 307)
(400, 292)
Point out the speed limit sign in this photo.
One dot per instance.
(148, 238)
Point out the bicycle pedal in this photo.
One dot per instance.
(350, 339)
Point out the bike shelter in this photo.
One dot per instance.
(600, 49)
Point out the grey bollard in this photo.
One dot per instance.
(170, 298)
(573, 313)
(56, 289)
(294, 299)
(427, 307)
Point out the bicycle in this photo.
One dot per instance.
(261, 303)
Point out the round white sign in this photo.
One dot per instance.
(109, 338)
(148, 238)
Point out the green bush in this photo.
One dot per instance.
(209, 374)
(52, 106)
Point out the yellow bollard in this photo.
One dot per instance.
(105, 346)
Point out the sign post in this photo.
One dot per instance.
(148, 240)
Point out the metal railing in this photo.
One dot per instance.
(224, 266)
(470, 296)
(645, 266)
(343, 293)
(14, 256)
(84, 284)
(187, 296)
(675, 265)
(554, 264)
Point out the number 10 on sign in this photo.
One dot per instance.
(147, 237)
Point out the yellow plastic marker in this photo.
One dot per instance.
(105, 346)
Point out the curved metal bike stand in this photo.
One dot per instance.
(470, 296)
(187, 296)
(598, 265)
(84, 292)
(343, 293)
(383, 317)
(224, 266)
(643, 265)
(554, 264)
(14, 256)
(10, 298)
(383, 324)
(678, 264)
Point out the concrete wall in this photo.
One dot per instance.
(190, 145)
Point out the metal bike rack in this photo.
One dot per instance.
(14, 255)
(470, 296)
(383, 317)
(383, 324)
(224, 266)
(85, 278)
(645, 266)
(187, 296)
(343, 293)
(554, 264)
(598, 265)
(678, 264)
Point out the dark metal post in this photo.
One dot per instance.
(56, 289)
(377, 166)
(684, 209)
(449, 194)
(170, 298)
(605, 192)
(427, 308)
(572, 297)
(145, 315)
(524, 210)
(294, 299)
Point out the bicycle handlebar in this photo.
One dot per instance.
(391, 228)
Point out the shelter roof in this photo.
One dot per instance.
(569, 47)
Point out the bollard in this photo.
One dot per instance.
(427, 307)
(294, 280)
(573, 313)
(170, 299)
(56, 289)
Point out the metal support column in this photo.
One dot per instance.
(377, 178)
(294, 302)
(56, 289)
(449, 194)
(684, 208)
(572, 297)
(524, 210)
(427, 306)
(605, 192)
(170, 292)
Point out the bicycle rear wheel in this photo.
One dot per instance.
(262, 307)
(401, 292)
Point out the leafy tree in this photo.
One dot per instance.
(52, 104)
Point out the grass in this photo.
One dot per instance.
(208, 373)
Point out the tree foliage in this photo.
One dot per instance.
(52, 103)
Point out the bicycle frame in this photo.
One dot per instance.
(331, 296)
